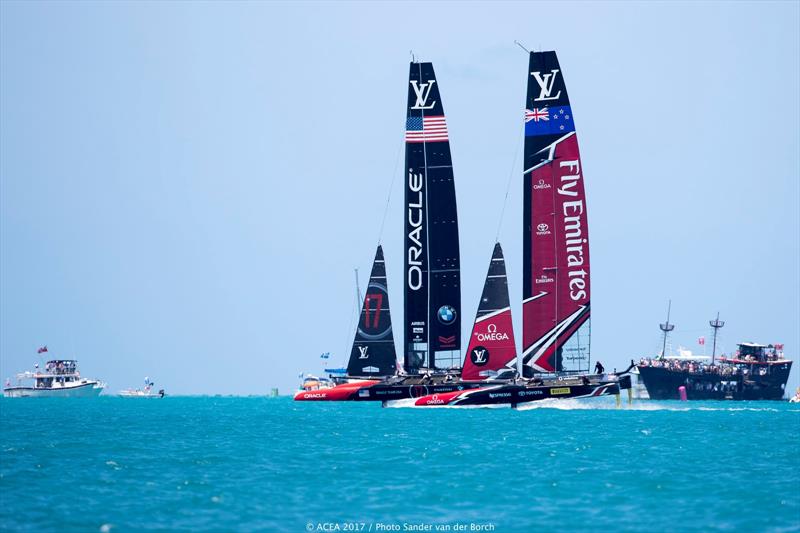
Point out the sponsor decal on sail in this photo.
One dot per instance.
(415, 210)
(573, 212)
(447, 341)
(422, 92)
(546, 83)
(446, 314)
(491, 334)
(479, 356)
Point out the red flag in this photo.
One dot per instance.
(701, 341)
(779, 347)
(42, 349)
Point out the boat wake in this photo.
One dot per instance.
(586, 404)
(412, 402)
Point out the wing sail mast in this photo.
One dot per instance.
(432, 310)
(556, 285)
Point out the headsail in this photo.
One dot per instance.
(491, 345)
(432, 267)
(373, 352)
(556, 289)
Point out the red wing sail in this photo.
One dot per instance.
(491, 345)
(556, 291)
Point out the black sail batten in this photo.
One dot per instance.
(373, 352)
(495, 289)
(432, 265)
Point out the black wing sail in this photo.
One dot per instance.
(432, 266)
(373, 352)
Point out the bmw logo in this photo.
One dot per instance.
(446, 314)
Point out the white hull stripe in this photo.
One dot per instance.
(532, 298)
(490, 315)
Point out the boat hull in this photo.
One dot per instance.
(340, 393)
(386, 392)
(515, 395)
(85, 390)
(662, 384)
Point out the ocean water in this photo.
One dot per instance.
(262, 464)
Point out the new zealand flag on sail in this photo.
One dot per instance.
(548, 120)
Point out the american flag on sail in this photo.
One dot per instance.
(426, 129)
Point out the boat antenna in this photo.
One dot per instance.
(666, 328)
(413, 57)
(520, 45)
(716, 324)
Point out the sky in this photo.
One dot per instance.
(186, 188)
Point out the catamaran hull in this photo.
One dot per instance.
(340, 393)
(384, 393)
(87, 390)
(516, 394)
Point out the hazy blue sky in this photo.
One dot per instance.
(186, 187)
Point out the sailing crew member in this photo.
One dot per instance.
(598, 368)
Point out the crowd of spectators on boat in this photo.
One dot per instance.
(689, 366)
(60, 367)
(697, 367)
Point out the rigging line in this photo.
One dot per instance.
(391, 185)
(355, 313)
(508, 184)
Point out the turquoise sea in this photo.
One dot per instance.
(261, 464)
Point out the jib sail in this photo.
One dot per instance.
(556, 288)
(373, 352)
(491, 345)
(432, 267)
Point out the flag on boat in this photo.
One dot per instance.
(779, 347)
(701, 341)
(549, 121)
(537, 114)
(43, 349)
(426, 129)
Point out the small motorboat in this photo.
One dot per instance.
(147, 392)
